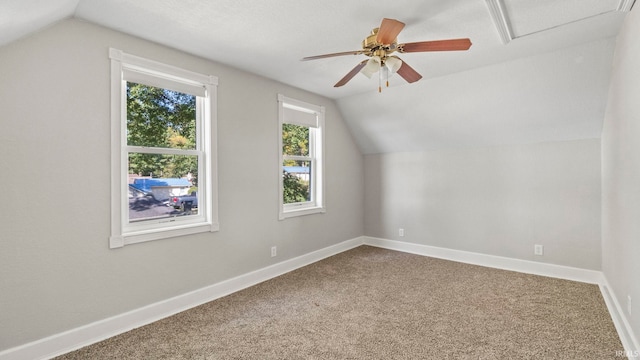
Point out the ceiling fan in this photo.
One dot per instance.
(381, 44)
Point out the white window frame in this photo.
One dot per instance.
(316, 156)
(126, 67)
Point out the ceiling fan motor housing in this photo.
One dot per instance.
(374, 48)
(371, 41)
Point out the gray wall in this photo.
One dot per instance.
(492, 200)
(621, 173)
(57, 272)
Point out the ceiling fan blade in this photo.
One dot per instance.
(351, 74)
(439, 45)
(389, 30)
(355, 52)
(407, 72)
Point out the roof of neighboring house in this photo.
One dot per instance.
(146, 184)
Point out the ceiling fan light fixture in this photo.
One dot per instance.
(393, 64)
(372, 66)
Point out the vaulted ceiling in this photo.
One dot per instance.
(537, 70)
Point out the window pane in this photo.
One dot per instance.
(162, 186)
(295, 140)
(295, 181)
(160, 118)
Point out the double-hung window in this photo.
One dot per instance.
(301, 157)
(163, 163)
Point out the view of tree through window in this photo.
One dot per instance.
(301, 158)
(296, 171)
(160, 119)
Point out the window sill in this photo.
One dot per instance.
(157, 234)
(301, 212)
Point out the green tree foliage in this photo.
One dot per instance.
(294, 190)
(165, 119)
(295, 141)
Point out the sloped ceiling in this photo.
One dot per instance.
(537, 70)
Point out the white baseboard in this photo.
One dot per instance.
(625, 332)
(498, 262)
(89, 334)
(85, 335)
(620, 321)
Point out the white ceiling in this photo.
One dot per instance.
(269, 37)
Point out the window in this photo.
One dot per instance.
(163, 164)
(301, 157)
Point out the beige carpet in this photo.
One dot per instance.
(371, 303)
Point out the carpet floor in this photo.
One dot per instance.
(372, 303)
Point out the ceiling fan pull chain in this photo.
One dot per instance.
(387, 73)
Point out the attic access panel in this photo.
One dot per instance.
(527, 17)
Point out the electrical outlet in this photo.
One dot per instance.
(401, 232)
(274, 251)
(629, 304)
(538, 250)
